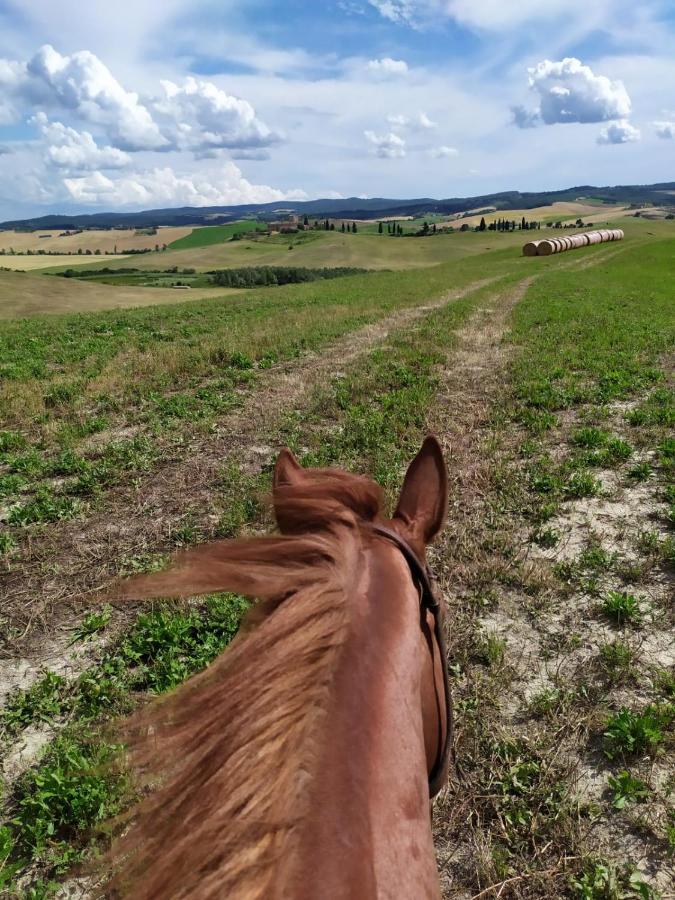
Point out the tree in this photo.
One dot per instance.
(522, 224)
(379, 228)
(305, 222)
(433, 228)
(332, 226)
(482, 225)
(353, 227)
(425, 228)
(399, 229)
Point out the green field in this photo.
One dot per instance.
(127, 433)
(215, 234)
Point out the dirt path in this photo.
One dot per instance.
(73, 559)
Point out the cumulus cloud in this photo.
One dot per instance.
(163, 187)
(197, 115)
(443, 152)
(620, 132)
(569, 91)
(83, 84)
(665, 130)
(77, 151)
(388, 67)
(386, 146)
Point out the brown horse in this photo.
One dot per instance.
(299, 764)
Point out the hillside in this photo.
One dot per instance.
(352, 207)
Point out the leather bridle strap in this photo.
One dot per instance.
(428, 601)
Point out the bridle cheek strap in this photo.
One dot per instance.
(423, 578)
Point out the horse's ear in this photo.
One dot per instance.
(287, 470)
(423, 503)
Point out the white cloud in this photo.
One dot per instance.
(424, 121)
(163, 187)
(444, 152)
(83, 84)
(569, 91)
(197, 115)
(399, 11)
(419, 122)
(76, 150)
(620, 132)
(386, 146)
(387, 67)
(665, 130)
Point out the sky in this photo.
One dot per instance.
(138, 105)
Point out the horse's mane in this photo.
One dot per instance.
(234, 749)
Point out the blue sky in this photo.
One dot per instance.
(138, 104)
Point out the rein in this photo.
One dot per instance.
(423, 578)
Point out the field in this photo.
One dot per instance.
(26, 294)
(106, 241)
(126, 433)
(22, 263)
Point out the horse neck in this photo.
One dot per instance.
(367, 831)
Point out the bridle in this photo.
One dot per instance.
(423, 578)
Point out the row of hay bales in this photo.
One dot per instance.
(571, 242)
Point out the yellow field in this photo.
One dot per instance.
(563, 210)
(24, 294)
(28, 263)
(122, 239)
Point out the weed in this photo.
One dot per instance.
(649, 543)
(640, 472)
(92, 624)
(626, 789)
(45, 507)
(601, 880)
(7, 543)
(581, 484)
(545, 537)
(490, 649)
(547, 701)
(664, 681)
(621, 607)
(628, 733)
(590, 438)
(617, 660)
(39, 703)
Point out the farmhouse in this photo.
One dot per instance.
(289, 225)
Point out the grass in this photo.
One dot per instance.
(161, 372)
(166, 645)
(517, 801)
(214, 234)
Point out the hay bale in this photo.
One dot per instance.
(530, 249)
(545, 248)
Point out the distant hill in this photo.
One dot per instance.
(350, 208)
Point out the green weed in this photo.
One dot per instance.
(628, 733)
(621, 607)
(626, 789)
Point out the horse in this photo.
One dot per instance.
(300, 764)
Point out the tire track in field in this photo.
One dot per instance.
(72, 559)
